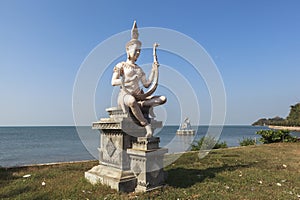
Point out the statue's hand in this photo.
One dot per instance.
(155, 66)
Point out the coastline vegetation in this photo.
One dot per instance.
(247, 141)
(269, 171)
(293, 119)
(272, 136)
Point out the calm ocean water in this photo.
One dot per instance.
(34, 145)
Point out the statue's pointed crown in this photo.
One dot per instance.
(134, 36)
(134, 31)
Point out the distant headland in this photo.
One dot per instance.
(291, 122)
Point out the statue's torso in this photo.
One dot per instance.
(128, 72)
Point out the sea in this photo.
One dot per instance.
(22, 146)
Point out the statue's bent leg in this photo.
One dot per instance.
(136, 111)
(131, 102)
(155, 101)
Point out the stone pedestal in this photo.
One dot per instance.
(114, 164)
(120, 180)
(147, 163)
(122, 143)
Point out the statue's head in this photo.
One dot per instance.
(133, 47)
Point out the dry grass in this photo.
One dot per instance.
(252, 172)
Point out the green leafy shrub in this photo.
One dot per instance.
(247, 142)
(220, 145)
(272, 136)
(208, 143)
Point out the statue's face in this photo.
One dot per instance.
(133, 52)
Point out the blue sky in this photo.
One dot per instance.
(254, 44)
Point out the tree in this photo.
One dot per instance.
(294, 115)
(272, 136)
(293, 119)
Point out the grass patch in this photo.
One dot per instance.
(253, 172)
(206, 143)
(247, 142)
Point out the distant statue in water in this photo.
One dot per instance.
(128, 75)
(185, 128)
(186, 124)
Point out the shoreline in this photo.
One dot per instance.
(46, 164)
(290, 128)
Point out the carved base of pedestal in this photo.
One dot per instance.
(120, 180)
(144, 143)
(147, 163)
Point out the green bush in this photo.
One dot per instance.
(220, 145)
(272, 136)
(208, 143)
(247, 142)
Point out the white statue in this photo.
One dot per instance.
(128, 75)
(186, 125)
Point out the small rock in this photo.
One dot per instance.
(278, 184)
(284, 166)
(27, 175)
(43, 183)
(241, 174)
(260, 182)
(283, 181)
(226, 187)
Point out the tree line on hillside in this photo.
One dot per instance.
(293, 119)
